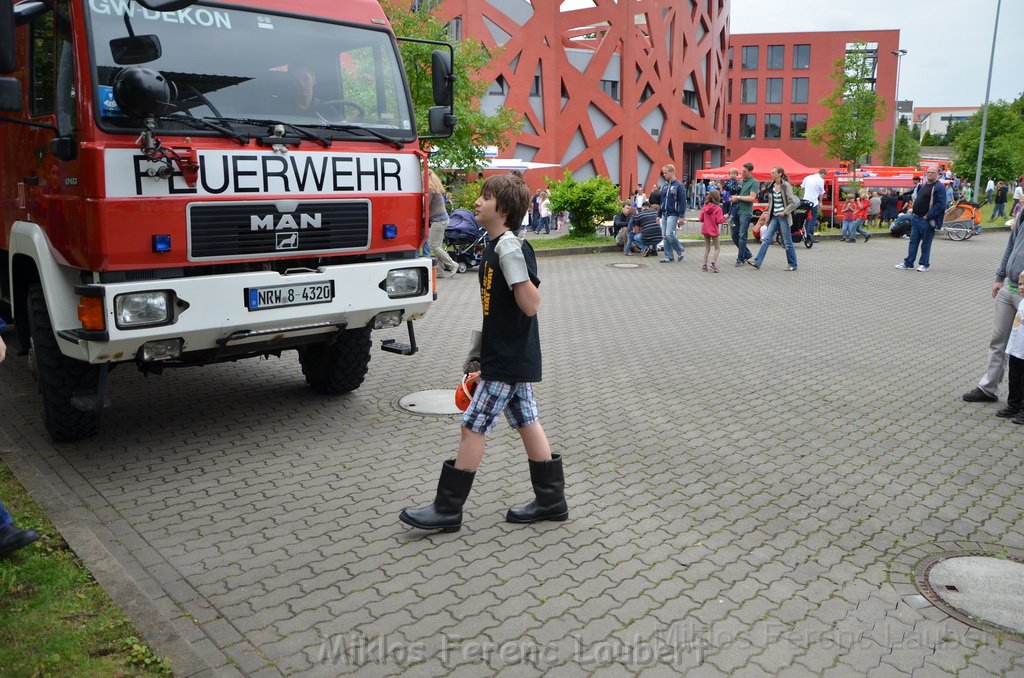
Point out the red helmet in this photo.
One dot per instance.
(465, 390)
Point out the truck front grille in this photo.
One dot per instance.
(238, 230)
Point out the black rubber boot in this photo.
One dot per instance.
(446, 512)
(549, 486)
(13, 538)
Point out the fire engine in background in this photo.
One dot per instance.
(185, 184)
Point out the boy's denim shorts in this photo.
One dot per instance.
(492, 398)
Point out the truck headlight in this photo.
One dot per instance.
(405, 282)
(142, 309)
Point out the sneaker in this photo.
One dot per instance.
(976, 395)
(1019, 419)
(903, 267)
(13, 538)
(867, 237)
(922, 268)
(680, 257)
(739, 263)
(714, 267)
(751, 262)
(905, 237)
(704, 268)
(791, 268)
(664, 261)
(1008, 412)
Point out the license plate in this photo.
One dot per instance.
(259, 298)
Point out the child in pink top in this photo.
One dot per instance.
(711, 218)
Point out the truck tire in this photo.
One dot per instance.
(339, 367)
(60, 377)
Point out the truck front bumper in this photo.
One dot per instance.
(225, 316)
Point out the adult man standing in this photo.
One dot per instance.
(999, 207)
(1018, 196)
(1007, 299)
(990, 189)
(813, 187)
(673, 207)
(929, 205)
(743, 209)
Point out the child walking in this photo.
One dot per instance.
(711, 219)
(506, 352)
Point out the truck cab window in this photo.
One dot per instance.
(41, 64)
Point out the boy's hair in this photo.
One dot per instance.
(511, 196)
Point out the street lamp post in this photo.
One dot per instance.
(984, 114)
(896, 115)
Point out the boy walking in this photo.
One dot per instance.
(507, 353)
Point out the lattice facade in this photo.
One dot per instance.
(615, 89)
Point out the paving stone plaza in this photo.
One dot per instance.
(756, 462)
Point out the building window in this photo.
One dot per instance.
(776, 57)
(690, 99)
(611, 88)
(748, 125)
(801, 56)
(748, 91)
(536, 88)
(800, 90)
(773, 91)
(749, 58)
(773, 126)
(730, 90)
(728, 126)
(498, 87)
(455, 29)
(730, 58)
(797, 125)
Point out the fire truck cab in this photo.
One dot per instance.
(185, 183)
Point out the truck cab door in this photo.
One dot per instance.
(51, 176)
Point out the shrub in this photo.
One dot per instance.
(588, 202)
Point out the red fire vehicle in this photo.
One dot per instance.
(186, 183)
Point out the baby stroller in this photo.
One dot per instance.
(465, 239)
(961, 220)
(796, 230)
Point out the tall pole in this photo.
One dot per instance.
(896, 114)
(988, 89)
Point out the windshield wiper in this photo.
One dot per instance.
(348, 127)
(303, 132)
(203, 123)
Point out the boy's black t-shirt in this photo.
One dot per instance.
(510, 347)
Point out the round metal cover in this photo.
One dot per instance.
(433, 401)
(979, 589)
(626, 264)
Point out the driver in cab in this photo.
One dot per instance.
(304, 85)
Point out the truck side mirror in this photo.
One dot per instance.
(166, 5)
(7, 55)
(10, 94)
(441, 77)
(442, 121)
(135, 49)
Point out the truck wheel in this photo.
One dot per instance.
(60, 377)
(333, 369)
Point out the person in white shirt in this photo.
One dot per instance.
(990, 188)
(1018, 196)
(813, 187)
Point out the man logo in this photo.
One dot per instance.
(288, 241)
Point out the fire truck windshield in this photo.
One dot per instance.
(237, 64)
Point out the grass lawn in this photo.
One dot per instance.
(571, 240)
(55, 620)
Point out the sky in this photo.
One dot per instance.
(948, 42)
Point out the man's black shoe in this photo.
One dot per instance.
(1008, 412)
(976, 395)
(13, 538)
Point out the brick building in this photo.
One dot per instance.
(614, 88)
(776, 81)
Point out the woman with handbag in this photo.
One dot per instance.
(781, 204)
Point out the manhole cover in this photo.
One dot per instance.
(433, 401)
(979, 589)
(626, 264)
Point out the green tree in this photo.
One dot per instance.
(1004, 143)
(588, 202)
(474, 131)
(908, 149)
(848, 133)
(930, 139)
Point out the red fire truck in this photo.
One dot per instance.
(186, 183)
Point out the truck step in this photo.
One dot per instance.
(86, 402)
(394, 346)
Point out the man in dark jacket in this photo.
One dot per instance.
(928, 207)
